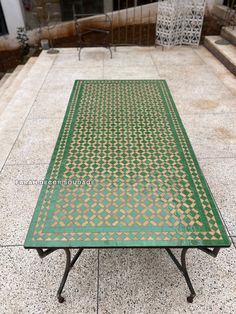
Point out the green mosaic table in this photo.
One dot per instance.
(124, 174)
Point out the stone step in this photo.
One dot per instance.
(4, 78)
(15, 113)
(229, 33)
(225, 52)
(10, 88)
(9, 79)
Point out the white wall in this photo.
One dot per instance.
(13, 14)
(12, 11)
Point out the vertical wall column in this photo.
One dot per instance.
(13, 15)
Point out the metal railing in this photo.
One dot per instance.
(230, 15)
(133, 21)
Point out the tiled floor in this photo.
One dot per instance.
(115, 281)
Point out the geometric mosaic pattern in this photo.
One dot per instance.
(123, 174)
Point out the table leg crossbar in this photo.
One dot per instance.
(182, 266)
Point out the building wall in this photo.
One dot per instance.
(13, 13)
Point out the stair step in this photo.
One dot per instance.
(16, 111)
(226, 53)
(229, 33)
(10, 78)
(4, 78)
(10, 88)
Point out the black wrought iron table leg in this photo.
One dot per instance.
(69, 264)
(183, 268)
(77, 255)
(66, 272)
(80, 48)
(186, 276)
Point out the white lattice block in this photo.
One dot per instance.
(169, 23)
(193, 21)
(179, 22)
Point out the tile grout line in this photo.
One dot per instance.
(27, 117)
(46, 118)
(11, 245)
(36, 164)
(234, 157)
(233, 242)
(208, 113)
(155, 65)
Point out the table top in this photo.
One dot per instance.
(124, 174)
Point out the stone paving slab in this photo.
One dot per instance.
(36, 142)
(218, 173)
(30, 284)
(18, 200)
(89, 57)
(212, 135)
(59, 79)
(129, 57)
(135, 73)
(176, 56)
(147, 281)
(48, 105)
(195, 103)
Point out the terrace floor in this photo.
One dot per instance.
(121, 280)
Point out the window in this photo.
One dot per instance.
(3, 26)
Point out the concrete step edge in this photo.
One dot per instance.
(229, 35)
(13, 117)
(10, 79)
(3, 79)
(216, 50)
(9, 92)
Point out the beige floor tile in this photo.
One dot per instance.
(36, 142)
(147, 281)
(18, 200)
(30, 284)
(212, 135)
